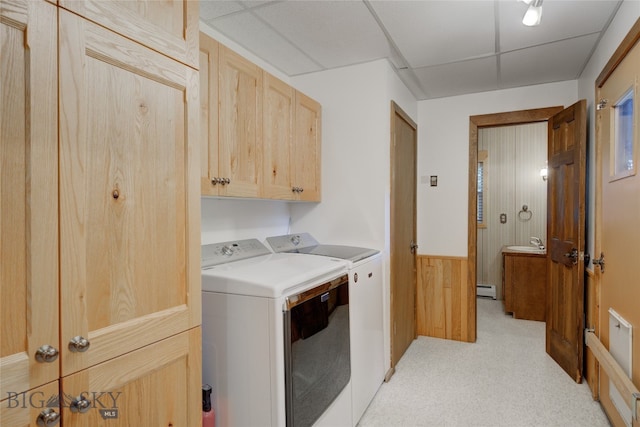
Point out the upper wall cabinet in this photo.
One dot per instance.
(291, 143)
(306, 149)
(230, 122)
(28, 196)
(278, 117)
(169, 27)
(259, 137)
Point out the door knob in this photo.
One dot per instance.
(80, 404)
(48, 418)
(79, 344)
(413, 246)
(46, 354)
(573, 255)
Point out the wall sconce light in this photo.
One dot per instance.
(534, 13)
(544, 172)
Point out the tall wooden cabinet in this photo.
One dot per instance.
(259, 136)
(123, 292)
(28, 201)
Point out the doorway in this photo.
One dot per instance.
(476, 123)
(403, 233)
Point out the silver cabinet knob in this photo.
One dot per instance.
(227, 180)
(79, 344)
(46, 354)
(48, 418)
(214, 180)
(80, 404)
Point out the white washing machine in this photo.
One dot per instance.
(275, 336)
(367, 328)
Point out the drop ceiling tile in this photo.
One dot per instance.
(477, 75)
(333, 33)
(436, 32)
(212, 9)
(561, 19)
(260, 39)
(551, 62)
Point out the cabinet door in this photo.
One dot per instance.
(278, 113)
(158, 385)
(306, 148)
(240, 125)
(28, 193)
(209, 116)
(130, 195)
(170, 27)
(25, 408)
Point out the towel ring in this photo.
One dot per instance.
(525, 214)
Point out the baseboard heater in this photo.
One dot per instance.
(486, 291)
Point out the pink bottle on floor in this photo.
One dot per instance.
(208, 416)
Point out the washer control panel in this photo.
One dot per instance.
(220, 253)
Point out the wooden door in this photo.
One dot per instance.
(403, 232)
(240, 125)
(306, 155)
(28, 193)
(566, 238)
(157, 385)
(170, 27)
(618, 224)
(209, 116)
(24, 409)
(278, 119)
(130, 194)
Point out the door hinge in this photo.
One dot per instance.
(602, 104)
(599, 262)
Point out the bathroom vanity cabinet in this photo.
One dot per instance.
(524, 284)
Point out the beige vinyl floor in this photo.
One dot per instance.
(504, 379)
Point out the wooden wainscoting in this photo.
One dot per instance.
(442, 298)
(593, 321)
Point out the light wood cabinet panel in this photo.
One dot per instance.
(170, 27)
(209, 115)
(129, 199)
(240, 125)
(157, 385)
(28, 193)
(278, 122)
(23, 409)
(291, 149)
(306, 155)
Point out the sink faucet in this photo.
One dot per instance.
(536, 241)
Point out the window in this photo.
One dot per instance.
(623, 156)
(482, 158)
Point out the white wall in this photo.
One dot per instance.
(443, 150)
(356, 106)
(627, 15)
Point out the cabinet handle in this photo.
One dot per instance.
(214, 180)
(80, 405)
(48, 418)
(46, 354)
(227, 180)
(79, 344)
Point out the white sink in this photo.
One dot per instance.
(526, 249)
